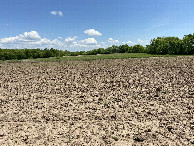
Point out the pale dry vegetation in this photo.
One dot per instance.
(101, 102)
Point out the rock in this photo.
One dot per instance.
(115, 138)
(192, 141)
(158, 89)
(138, 138)
(170, 128)
(113, 116)
(148, 130)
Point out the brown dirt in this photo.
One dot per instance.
(102, 102)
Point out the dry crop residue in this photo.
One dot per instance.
(102, 102)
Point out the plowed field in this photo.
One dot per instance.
(146, 101)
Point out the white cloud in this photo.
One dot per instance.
(128, 42)
(54, 12)
(89, 41)
(30, 40)
(60, 13)
(25, 37)
(33, 40)
(85, 45)
(111, 40)
(57, 43)
(33, 35)
(103, 45)
(92, 32)
(143, 41)
(70, 40)
(42, 41)
(9, 39)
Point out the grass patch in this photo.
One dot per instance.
(104, 56)
(99, 56)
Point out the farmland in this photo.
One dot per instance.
(97, 57)
(140, 101)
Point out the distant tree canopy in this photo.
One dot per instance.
(188, 44)
(172, 45)
(9, 54)
(159, 45)
(118, 49)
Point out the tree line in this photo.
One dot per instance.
(172, 45)
(114, 49)
(9, 54)
(159, 45)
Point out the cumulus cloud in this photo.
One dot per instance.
(33, 40)
(84, 45)
(128, 42)
(42, 41)
(54, 12)
(29, 40)
(111, 40)
(70, 40)
(25, 37)
(9, 39)
(60, 13)
(89, 41)
(33, 35)
(142, 41)
(92, 32)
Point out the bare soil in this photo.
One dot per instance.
(146, 101)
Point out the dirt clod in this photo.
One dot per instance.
(170, 128)
(138, 138)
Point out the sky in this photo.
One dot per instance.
(76, 25)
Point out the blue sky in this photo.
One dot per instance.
(87, 24)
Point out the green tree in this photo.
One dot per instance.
(123, 49)
(165, 45)
(188, 44)
(109, 50)
(101, 51)
(138, 49)
(115, 49)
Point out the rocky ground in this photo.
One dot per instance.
(146, 101)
